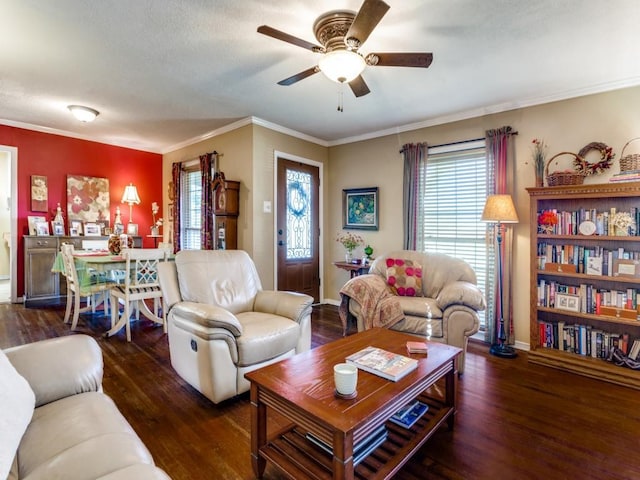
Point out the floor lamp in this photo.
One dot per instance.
(499, 209)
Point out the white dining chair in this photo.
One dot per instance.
(140, 284)
(95, 291)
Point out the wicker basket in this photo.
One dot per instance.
(565, 178)
(631, 161)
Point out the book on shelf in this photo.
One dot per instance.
(417, 347)
(361, 450)
(408, 415)
(383, 363)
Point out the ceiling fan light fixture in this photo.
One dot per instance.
(84, 114)
(342, 66)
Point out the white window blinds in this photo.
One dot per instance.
(453, 190)
(190, 216)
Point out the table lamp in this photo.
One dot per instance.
(499, 209)
(130, 196)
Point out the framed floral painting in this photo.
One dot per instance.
(87, 198)
(360, 208)
(39, 193)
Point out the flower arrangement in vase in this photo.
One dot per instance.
(349, 241)
(547, 221)
(622, 221)
(155, 227)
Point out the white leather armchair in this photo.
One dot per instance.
(444, 309)
(221, 324)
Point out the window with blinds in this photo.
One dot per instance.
(190, 217)
(453, 190)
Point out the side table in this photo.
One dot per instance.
(354, 269)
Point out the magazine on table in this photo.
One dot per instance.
(361, 450)
(408, 415)
(389, 365)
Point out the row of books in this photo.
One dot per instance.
(585, 298)
(583, 339)
(626, 176)
(569, 221)
(589, 260)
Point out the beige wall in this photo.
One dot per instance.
(249, 157)
(612, 118)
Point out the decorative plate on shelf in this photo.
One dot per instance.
(587, 227)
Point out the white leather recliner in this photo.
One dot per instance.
(221, 324)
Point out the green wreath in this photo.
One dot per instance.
(606, 157)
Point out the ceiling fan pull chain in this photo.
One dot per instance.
(340, 100)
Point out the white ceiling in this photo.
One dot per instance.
(164, 73)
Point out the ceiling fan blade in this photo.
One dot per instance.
(285, 37)
(370, 14)
(358, 86)
(299, 76)
(399, 59)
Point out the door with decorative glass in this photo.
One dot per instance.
(298, 230)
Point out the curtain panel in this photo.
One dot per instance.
(206, 208)
(500, 171)
(414, 155)
(176, 172)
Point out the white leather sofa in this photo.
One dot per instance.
(55, 421)
(222, 324)
(445, 305)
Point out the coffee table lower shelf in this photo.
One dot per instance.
(299, 459)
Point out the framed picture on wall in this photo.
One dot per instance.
(360, 208)
(39, 193)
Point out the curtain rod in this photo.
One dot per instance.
(197, 159)
(459, 143)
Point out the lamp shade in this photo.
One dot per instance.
(130, 195)
(341, 66)
(84, 114)
(499, 209)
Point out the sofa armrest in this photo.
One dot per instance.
(208, 316)
(59, 367)
(293, 305)
(461, 293)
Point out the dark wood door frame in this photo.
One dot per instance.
(294, 158)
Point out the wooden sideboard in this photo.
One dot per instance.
(41, 285)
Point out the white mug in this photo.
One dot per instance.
(345, 376)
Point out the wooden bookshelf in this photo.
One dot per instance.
(580, 199)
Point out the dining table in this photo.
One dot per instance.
(101, 266)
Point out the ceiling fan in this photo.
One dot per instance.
(342, 33)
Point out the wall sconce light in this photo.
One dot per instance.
(130, 196)
(84, 114)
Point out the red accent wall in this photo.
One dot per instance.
(56, 156)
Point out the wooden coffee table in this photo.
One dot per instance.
(301, 389)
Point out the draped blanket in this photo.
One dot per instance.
(378, 306)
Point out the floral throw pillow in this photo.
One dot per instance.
(404, 277)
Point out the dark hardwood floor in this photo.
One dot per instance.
(515, 420)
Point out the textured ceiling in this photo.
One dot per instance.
(166, 72)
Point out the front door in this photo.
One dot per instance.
(298, 229)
